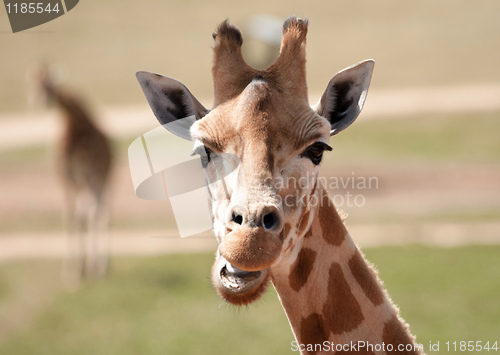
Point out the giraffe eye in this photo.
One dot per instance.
(205, 158)
(204, 154)
(315, 152)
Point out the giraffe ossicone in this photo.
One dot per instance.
(270, 231)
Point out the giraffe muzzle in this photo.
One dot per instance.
(251, 248)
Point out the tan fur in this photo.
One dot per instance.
(229, 68)
(342, 298)
(250, 249)
(366, 278)
(328, 290)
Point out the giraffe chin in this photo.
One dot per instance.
(237, 286)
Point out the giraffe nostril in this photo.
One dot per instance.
(267, 218)
(237, 218)
(270, 220)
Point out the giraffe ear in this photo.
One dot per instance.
(172, 103)
(345, 95)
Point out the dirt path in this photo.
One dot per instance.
(443, 234)
(435, 205)
(400, 210)
(125, 243)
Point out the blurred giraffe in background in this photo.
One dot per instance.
(85, 160)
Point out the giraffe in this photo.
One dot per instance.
(273, 220)
(85, 160)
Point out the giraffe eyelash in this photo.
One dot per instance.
(315, 152)
(204, 153)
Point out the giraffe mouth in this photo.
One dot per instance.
(237, 286)
(232, 277)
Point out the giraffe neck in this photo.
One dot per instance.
(329, 291)
(77, 119)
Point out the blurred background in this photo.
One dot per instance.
(428, 136)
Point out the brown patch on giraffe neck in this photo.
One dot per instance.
(342, 311)
(309, 233)
(332, 228)
(366, 278)
(312, 331)
(396, 333)
(302, 268)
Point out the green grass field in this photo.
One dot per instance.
(433, 138)
(166, 305)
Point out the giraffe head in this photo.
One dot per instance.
(42, 80)
(264, 120)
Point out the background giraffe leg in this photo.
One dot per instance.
(90, 263)
(103, 240)
(73, 270)
(98, 240)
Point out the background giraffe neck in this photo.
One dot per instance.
(77, 117)
(329, 291)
